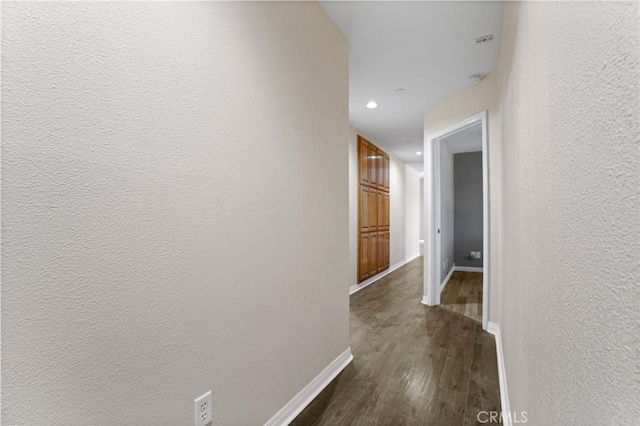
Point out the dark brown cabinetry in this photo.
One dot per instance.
(373, 210)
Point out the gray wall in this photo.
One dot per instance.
(467, 190)
(446, 210)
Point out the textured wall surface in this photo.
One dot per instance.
(570, 317)
(447, 230)
(353, 206)
(174, 182)
(467, 202)
(404, 226)
(412, 212)
(422, 208)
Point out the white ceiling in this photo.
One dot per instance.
(467, 140)
(427, 48)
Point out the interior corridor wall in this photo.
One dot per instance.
(404, 227)
(422, 213)
(174, 208)
(569, 318)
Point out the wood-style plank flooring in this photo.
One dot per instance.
(463, 294)
(413, 364)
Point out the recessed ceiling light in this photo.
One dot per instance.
(399, 90)
(372, 104)
(419, 152)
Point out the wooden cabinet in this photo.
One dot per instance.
(372, 165)
(363, 164)
(385, 171)
(373, 210)
(363, 209)
(364, 252)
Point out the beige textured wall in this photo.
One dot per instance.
(569, 292)
(564, 171)
(174, 209)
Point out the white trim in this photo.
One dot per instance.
(469, 269)
(485, 221)
(363, 284)
(425, 301)
(446, 279)
(431, 161)
(437, 217)
(494, 329)
(289, 412)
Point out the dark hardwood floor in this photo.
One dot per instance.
(463, 295)
(413, 364)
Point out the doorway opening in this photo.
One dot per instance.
(457, 219)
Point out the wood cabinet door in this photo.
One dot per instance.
(371, 164)
(373, 254)
(363, 209)
(380, 170)
(364, 266)
(381, 210)
(386, 236)
(373, 210)
(363, 161)
(385, 211)
(385, 172)
(380, 262)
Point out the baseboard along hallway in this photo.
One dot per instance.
(413, 364)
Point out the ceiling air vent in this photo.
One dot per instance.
(484, 39)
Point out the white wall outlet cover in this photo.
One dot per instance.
(478, 255)
(202, 409)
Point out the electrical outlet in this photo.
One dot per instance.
(472, 255)
(478, 255)
(202, 409)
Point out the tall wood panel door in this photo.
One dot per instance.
(385, 172)
(372, 165)
(373, 210)
(363, 162)
(363, 211)
(364, 253)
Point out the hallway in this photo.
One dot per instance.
(413, 364)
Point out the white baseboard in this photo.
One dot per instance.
(494, 329)
(446, 279)
(468, 269)
(290, 411)
(363, 284)
(425, 300)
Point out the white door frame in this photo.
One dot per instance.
(432, 194)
